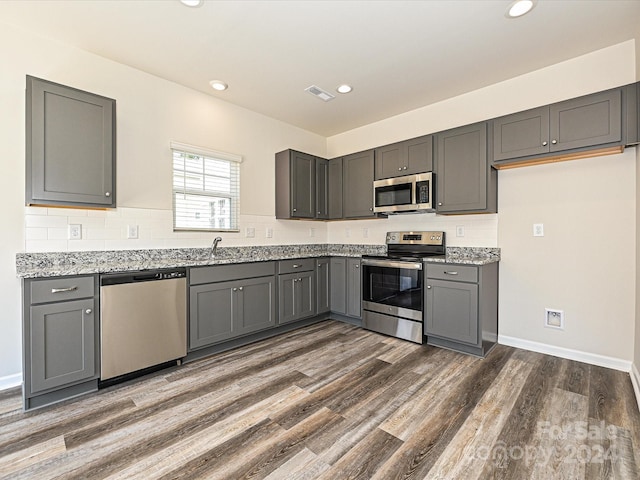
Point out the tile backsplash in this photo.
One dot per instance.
(47, 230)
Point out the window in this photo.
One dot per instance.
(206, 189)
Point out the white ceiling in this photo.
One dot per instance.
(398, 55)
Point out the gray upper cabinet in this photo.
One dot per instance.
(579, 123)
(322, 189)
(335, 188)
(464, 180)
(295, 185)
(404, 158)
(358, 185)
(70, 146)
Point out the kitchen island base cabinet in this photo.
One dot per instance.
(461, 310)
(60, 341)
(227, 309)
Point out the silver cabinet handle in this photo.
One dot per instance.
(439, 204)
(399, 168)
(295, 265)
(450, 273)
(357, 266)
(554, 141)
(404, 168)
(429, 287)
(295, 209)
(62, 290)
(107, 194)
(235, 289)
(318, 213)
(371, 209)
(88, 311)
(240, 288)
(545, 143)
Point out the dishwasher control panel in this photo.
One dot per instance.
(162, 276)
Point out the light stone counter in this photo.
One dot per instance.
(34, 265)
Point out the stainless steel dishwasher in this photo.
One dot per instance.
(143, 320)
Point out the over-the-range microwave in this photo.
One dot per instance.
(411, 193)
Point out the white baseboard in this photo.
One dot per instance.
(10, 381)
(577, 355)
(635, 380)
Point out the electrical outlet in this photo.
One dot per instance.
(132, 231)
(250, 232)
(538, 230)
(554, 318)
(347, 232)
(312, 232)
(460, 231)
(75, 232)
(365, 233)
(269, 232)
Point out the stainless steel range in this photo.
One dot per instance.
(392, 285)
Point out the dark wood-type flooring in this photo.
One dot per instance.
(332, 401)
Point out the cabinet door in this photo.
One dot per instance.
(452, 310)
(389, 160)
(335, 188)
(462, 169)
(322, 188)
(256, 304)
(211, 313)
(303, 185)
(323, 286)
(419, 156)
(521, 134)
(70, 154)
(354, 288)
(287, 298)
(358, 185)
(305, 292)
(62, 343)
(587, 121)
(339, 285)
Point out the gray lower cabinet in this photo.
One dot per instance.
(226, 309)
(580, 123)
(465, 182)
(346, 296)
(461, 307)
(404, 158)
(358, 185)
(60, 339)
(296, 289)
(70, 146)
(323, 285)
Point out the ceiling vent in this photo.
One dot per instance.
(320, 93)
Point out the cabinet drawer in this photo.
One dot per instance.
(458, 273)
(296, 265)
(223, 273)
(60, 289)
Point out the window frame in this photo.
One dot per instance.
(234, 202)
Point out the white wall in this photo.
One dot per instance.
(565, 269)
(150, 113)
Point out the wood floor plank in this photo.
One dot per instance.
(332, 400)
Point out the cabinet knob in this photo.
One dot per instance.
(107, 194)
(399, 168)
(318, 213)
(235, 289)
(295, 209)
(404, 168)
(357, 266)
(88, 311)
(545, 143)
(428, 287)
(371, 209)
(554, 141)
(439, 204)
(240, 288)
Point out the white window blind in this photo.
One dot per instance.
(206, 189)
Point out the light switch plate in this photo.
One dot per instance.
(460, 231)
(132, 231)
(75, 232)
(269, 232)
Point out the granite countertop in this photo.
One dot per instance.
(35, 265)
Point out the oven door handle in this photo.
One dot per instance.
(392, 264)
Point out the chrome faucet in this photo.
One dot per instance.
(214, 247)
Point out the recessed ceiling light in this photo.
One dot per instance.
(218, 85)
(192, 3)
(344, 88)
(519, 8)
